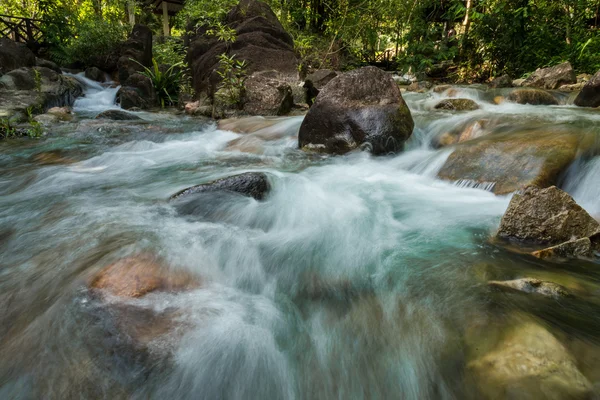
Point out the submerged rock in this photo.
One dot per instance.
(139, 275)
(576, 248)
(251, 184)
(529, 363)
(470, 130)
(117, 115)
(590, 94)
(532, 96)
(358, 108)
(552, 77)
(532, 285)
(457, 105)
(247, 124)
(512, 161)
(547, 217)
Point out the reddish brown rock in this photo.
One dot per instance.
(139, 275)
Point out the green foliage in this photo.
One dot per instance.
(170, 51)
(204, 12)
(233, 78)
(166, 82)
(223, 32)
(37, 76)
(95, 36)
(6, 129)
(35, 129)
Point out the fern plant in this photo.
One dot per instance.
(166, 83)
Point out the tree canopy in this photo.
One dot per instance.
(479, 38)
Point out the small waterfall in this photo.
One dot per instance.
(471, 184)
(583, 183)
(97, 97)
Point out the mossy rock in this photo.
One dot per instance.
(532, 96)
(515, 160)
(457, 105)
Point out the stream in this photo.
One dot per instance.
(357, 277)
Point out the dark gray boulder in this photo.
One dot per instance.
(135, 51)
(137, 92)
(261, 41)
(317, 81)
(40, 62)
(14, 55)
(360, 108)
(250, 184)
(95, 74)
(590, 94)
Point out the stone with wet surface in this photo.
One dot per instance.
(514, 160)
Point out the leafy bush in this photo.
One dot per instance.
(95, 36)
(170, 51)
(233, 78)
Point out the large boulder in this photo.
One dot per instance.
(509, 162)
(35, 90)
(357, 108)
(546, 217)
(532, 96)
(260, 40)
(137, 92)
(267, 96)
(135, 51)
(40, 62)
(14, 55)
(250, 184)
(590, 94)
(553, 77)
(317, 81)
(95, 74)
(528, 363)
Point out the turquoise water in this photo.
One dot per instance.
(357, 277)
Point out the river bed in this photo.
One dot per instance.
(356, 277)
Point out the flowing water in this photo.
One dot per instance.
(356, 277)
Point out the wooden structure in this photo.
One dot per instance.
(166, 8)
(24, 30)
